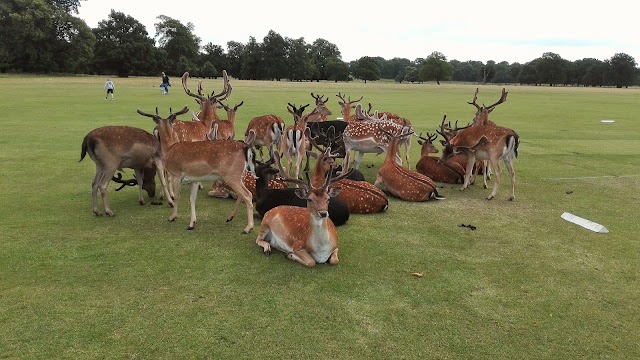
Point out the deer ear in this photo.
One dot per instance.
(302, 193)
(483, 140)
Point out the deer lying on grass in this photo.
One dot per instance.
(305, 235)
(485, 141)
(446, 172)
(193, 162)
(116, 147)
(406, 184)
(224, 191)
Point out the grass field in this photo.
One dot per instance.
(525, 285)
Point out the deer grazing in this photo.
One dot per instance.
(445, 172)
(224, 191)
(346, 107)
(306, 235)
(484, 140)
(406, 184)
(116, 147)
(193, 162)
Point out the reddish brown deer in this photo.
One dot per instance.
(485, 141)
(306, 235)
(222, 129)
(224, 191)
(269, 130)
(116, 147)
(346, 107)
(446, 172)
(193, 162)
(322, 112)
(403, 183)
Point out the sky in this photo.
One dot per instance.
(463, 30)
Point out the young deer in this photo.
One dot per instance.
(485, 141)
(225, 129)
(116, 147)
(305, 235)
(193, 162)
(406, 184)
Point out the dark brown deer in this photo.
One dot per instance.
(306, 235)
(485, 141)
(116, 147)
(197, 161)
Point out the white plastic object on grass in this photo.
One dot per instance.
(588, 224)
(607, 121)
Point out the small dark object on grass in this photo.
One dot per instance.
(369, 166)
(468, 226)
(156, 203)
(569, 192)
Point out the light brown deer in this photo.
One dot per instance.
(485, 141)
(193, 162)
(224, 129)
(321, 112)
(116, 147)
(306, 235)
(269, 130)
(296, 139)
(401, 182)
(224, 191)
(346, 107)
(446, 172)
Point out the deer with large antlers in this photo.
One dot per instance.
(346, 106)
(306, 235)
(197, 161)
(117, 147)
(321, 112)
(485, 140)
(446, 172)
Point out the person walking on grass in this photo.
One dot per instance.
(109, 86)
(164, 86)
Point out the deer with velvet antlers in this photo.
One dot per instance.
(306, 235)
(484, 140)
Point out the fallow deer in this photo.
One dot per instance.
(305, 235)
(116, 147)
(365, 136)
(401, 182)
(486, 141)
(269, 130)
(208, 160)
(224, 129)
(446, 172)
(346, 107)
(224, 191)
(296, 139)
(322, 112)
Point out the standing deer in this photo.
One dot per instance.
(305, 235)
(116, 147)
(485, 141)
(321, 112)
(269, 130)
(296, 141)
(193, 162)
(406, 184)
(346, 107)
(225, 129)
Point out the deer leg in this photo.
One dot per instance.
(244, 195)
(264, 231)
(100, 183)
(176, 186)
(512, 175)
(163, 181)
(303, 257)
(496, 166)
(139, 175)
(359, 157)
(471, 161)
(485, 173)
(333, 259)
(192, 201)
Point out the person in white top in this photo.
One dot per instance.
(110, 87)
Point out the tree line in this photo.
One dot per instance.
(44, 36)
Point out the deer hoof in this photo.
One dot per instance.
(190, 227)
(156, 203)
(141, 202)
(267, 252)
(110, 213)
(229, 219)
(490, 198)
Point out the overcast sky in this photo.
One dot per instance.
(511, 31)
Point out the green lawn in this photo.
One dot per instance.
(525, 285)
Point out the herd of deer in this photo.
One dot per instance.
(299, 220)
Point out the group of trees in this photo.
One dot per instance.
(43, 36)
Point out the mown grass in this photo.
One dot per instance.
(525, 284)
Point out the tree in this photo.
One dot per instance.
(235, 51)
(487, 72)
(502, 74)
(395, 68)
(322, 50)
(208, 70)
(528, 74)
(214, 55)
(299, 63)
(463, 71)
(551, 69)
(69, 6)
(366, 68)
(123, 46)
(436, 68)
(177, 40)
(622, 70)
(274, 57)
(336, 69)
(411, 74)
(251, 58)
(73, 45)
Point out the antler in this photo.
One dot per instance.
(283, 173)
(503, 98)
(443, 132)
(475, 97)
(199, 95)
(319, 100)
(118, 179)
